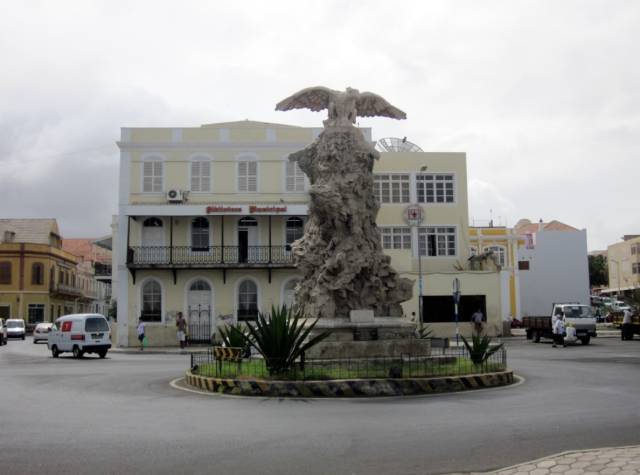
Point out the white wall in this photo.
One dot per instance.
(558, 271)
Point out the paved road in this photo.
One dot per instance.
(119, 415)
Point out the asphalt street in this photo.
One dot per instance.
(120, 415)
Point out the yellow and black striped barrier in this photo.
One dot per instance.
(227, 353)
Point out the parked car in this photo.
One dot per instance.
(41, 332)
(3, 332)
(80, 333)
(16, 328)
(576, 315)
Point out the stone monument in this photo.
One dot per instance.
(347, 279)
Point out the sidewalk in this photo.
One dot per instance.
(159, 350)
(602, 333)
(605, 461)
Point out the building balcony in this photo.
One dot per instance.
(213, 257)
(67, 290)
(102, 270)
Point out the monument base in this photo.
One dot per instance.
(368, 338)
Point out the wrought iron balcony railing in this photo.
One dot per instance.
(210, 256)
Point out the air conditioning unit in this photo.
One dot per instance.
(175, 196)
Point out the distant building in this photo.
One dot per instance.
(501, 244)
(94, 271)
(624, 265)
(552, 265)
(39, 280)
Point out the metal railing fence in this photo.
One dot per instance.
(453, 362)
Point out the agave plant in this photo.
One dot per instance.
(280, 338)
(235, 336)
(480, 348)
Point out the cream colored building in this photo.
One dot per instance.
(207, 215)
(623, 259)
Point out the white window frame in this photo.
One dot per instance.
(436, 226)
(499, 251)
(190, 233)
(285, 283)
(201, 159)
(377, 187)
(247, 158)
(163, 299)
(391, 232)
(40, 306)
(418, 181)
(152, 159)
(237, 295)
(284, 227)
(299, 178)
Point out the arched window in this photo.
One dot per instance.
(294, 230)
(37, 273)
(200, 234)
(151, 302)
(5, 272)
(247, 300)
(499, 253)
(200, 285)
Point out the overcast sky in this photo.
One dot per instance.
(543, 96)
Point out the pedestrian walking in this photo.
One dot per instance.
(477, 319)
(140, 332)
(625, 331)
(181, 325)
(559, 331)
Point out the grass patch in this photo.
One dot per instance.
(350, 369)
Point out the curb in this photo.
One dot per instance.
(349, 387)
(551, 457)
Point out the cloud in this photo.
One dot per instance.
(541, 95)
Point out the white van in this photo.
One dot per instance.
(80, 333)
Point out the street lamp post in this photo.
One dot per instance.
(414, 216)
(456, 300)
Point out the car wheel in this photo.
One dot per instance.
(102, 354)
(585, 339)
(23, 337)
(35, 341)
(536, 337)
(77, 352)
(54, 351)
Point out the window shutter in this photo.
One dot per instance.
(147, 173)
(242, 176)
(195, 176)
(205, 173)
(252, 177)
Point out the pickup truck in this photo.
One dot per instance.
(576, 315)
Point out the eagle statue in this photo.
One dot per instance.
(343, 107)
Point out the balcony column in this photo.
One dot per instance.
(269, 239)
(222, 239)
(170, 239)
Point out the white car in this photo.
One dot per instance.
(41, 332)
(16, 328)
(79, 334)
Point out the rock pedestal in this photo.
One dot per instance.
(340, 254)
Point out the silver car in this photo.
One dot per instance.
(41, 332)
(16, 328)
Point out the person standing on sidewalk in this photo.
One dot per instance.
(558, 332)
(181, 325)
(140, 332)
(477, 319)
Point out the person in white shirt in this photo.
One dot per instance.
(476, 319)
(626, 332)
(558, 332)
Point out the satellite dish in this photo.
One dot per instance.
(394, 144)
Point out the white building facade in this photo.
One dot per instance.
(207, 216)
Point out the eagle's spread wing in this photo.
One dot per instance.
(314, 98)
(369, 104)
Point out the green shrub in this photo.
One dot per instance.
(480, 348)
(235, 336)
(280, 338)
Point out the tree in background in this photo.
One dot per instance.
(598, 271)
